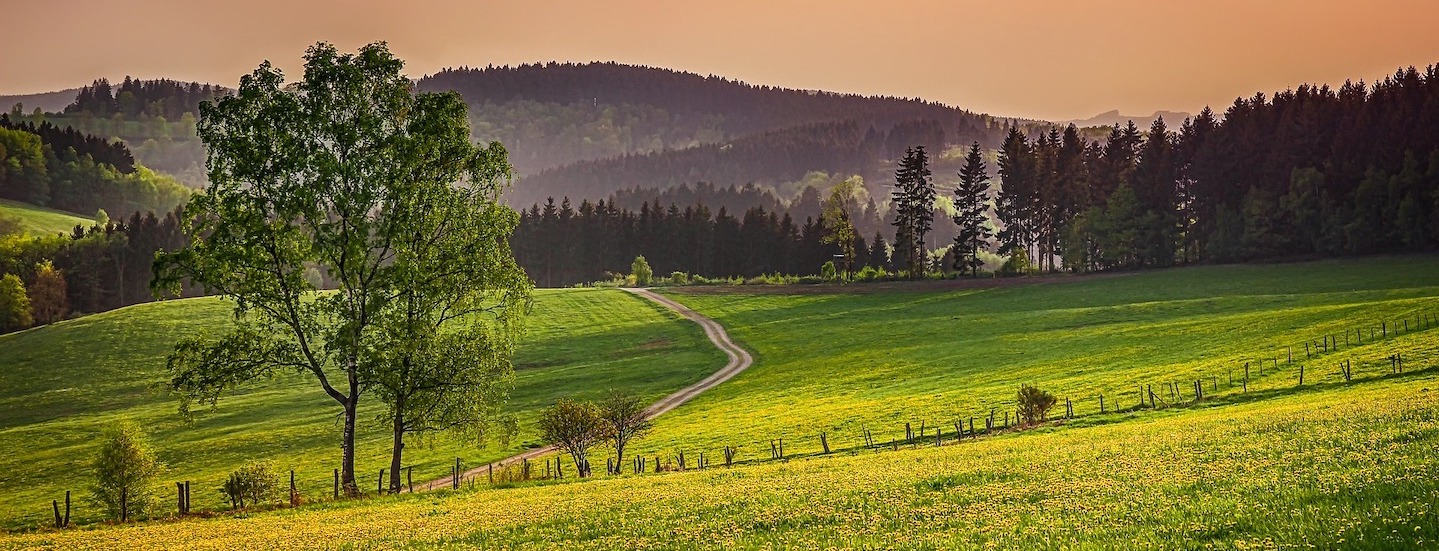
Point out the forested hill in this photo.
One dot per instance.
(587, 130)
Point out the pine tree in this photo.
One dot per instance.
(914, 195)
(1013, 206)
(970, 204)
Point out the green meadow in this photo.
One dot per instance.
(61, 385)
(40, 220)
(1269, 463)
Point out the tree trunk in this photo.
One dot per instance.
(347, 463)
(397, 452)
(619, 457)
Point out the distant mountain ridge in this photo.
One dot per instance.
(49, 102)
(588, 130)
(1111, 118)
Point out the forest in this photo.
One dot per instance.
(1308, 172)
(64, 169)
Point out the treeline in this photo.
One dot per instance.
(95, 269)
(562, 245)
(734, 198)
(143, 98)
(771, 158)
(1310, 171)
(63, 169)
(554, 115)
(744, 108)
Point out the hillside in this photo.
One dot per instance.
(588, 130)
(39, 220)
(49, 102)
(1273, 463)
(64, 383)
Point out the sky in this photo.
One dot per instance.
(1043, 59)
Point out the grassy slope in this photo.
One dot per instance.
(40, 220)
(1330, 467)
(61, 385)
(842, 363)
(1326, 465)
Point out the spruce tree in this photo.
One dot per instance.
(970, 206)
(914, 209)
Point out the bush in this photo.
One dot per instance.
(574, 426)
(641, 272)
(1017, 264)
(680, 278)
(125, 467)
(828, 272)
(256, 482)
(1034, 404)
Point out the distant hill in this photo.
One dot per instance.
(49, 102)
(40, 220)
(1111, 118)
(587, 130)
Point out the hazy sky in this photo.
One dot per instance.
(1047, 59)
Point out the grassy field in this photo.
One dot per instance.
(62, 384)
(842, 363)
(1328, 467)
(40, 220)
(1327, 464)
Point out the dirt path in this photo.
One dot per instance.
(739, 360)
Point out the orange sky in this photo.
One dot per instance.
(1047, 59)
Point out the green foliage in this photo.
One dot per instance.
(125, 467)
(971, 200)
(254, 483)
(1034, 404)
(913, 198)
(837, 221)
(1017, 263)
(679, 278)
(828, 272)
(574, 426)
(640, 272)
(47, 294)
(23, 172)
(625, 417)
(14, 304)
(408, 250)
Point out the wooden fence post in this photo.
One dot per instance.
(1290, 349)
(337, 484)
(292, 488)
(823, 441)
(1301, 375)
(410, 478)
(380, 484)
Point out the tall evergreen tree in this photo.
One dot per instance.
(971, 203)
(914, 196)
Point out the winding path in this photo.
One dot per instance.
(739, 360)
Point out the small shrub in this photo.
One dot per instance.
(680, 278)
(255, 482)
(1017, 264)
(1034, 404)
(641, 272)
(828, 272)
(125, 466)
